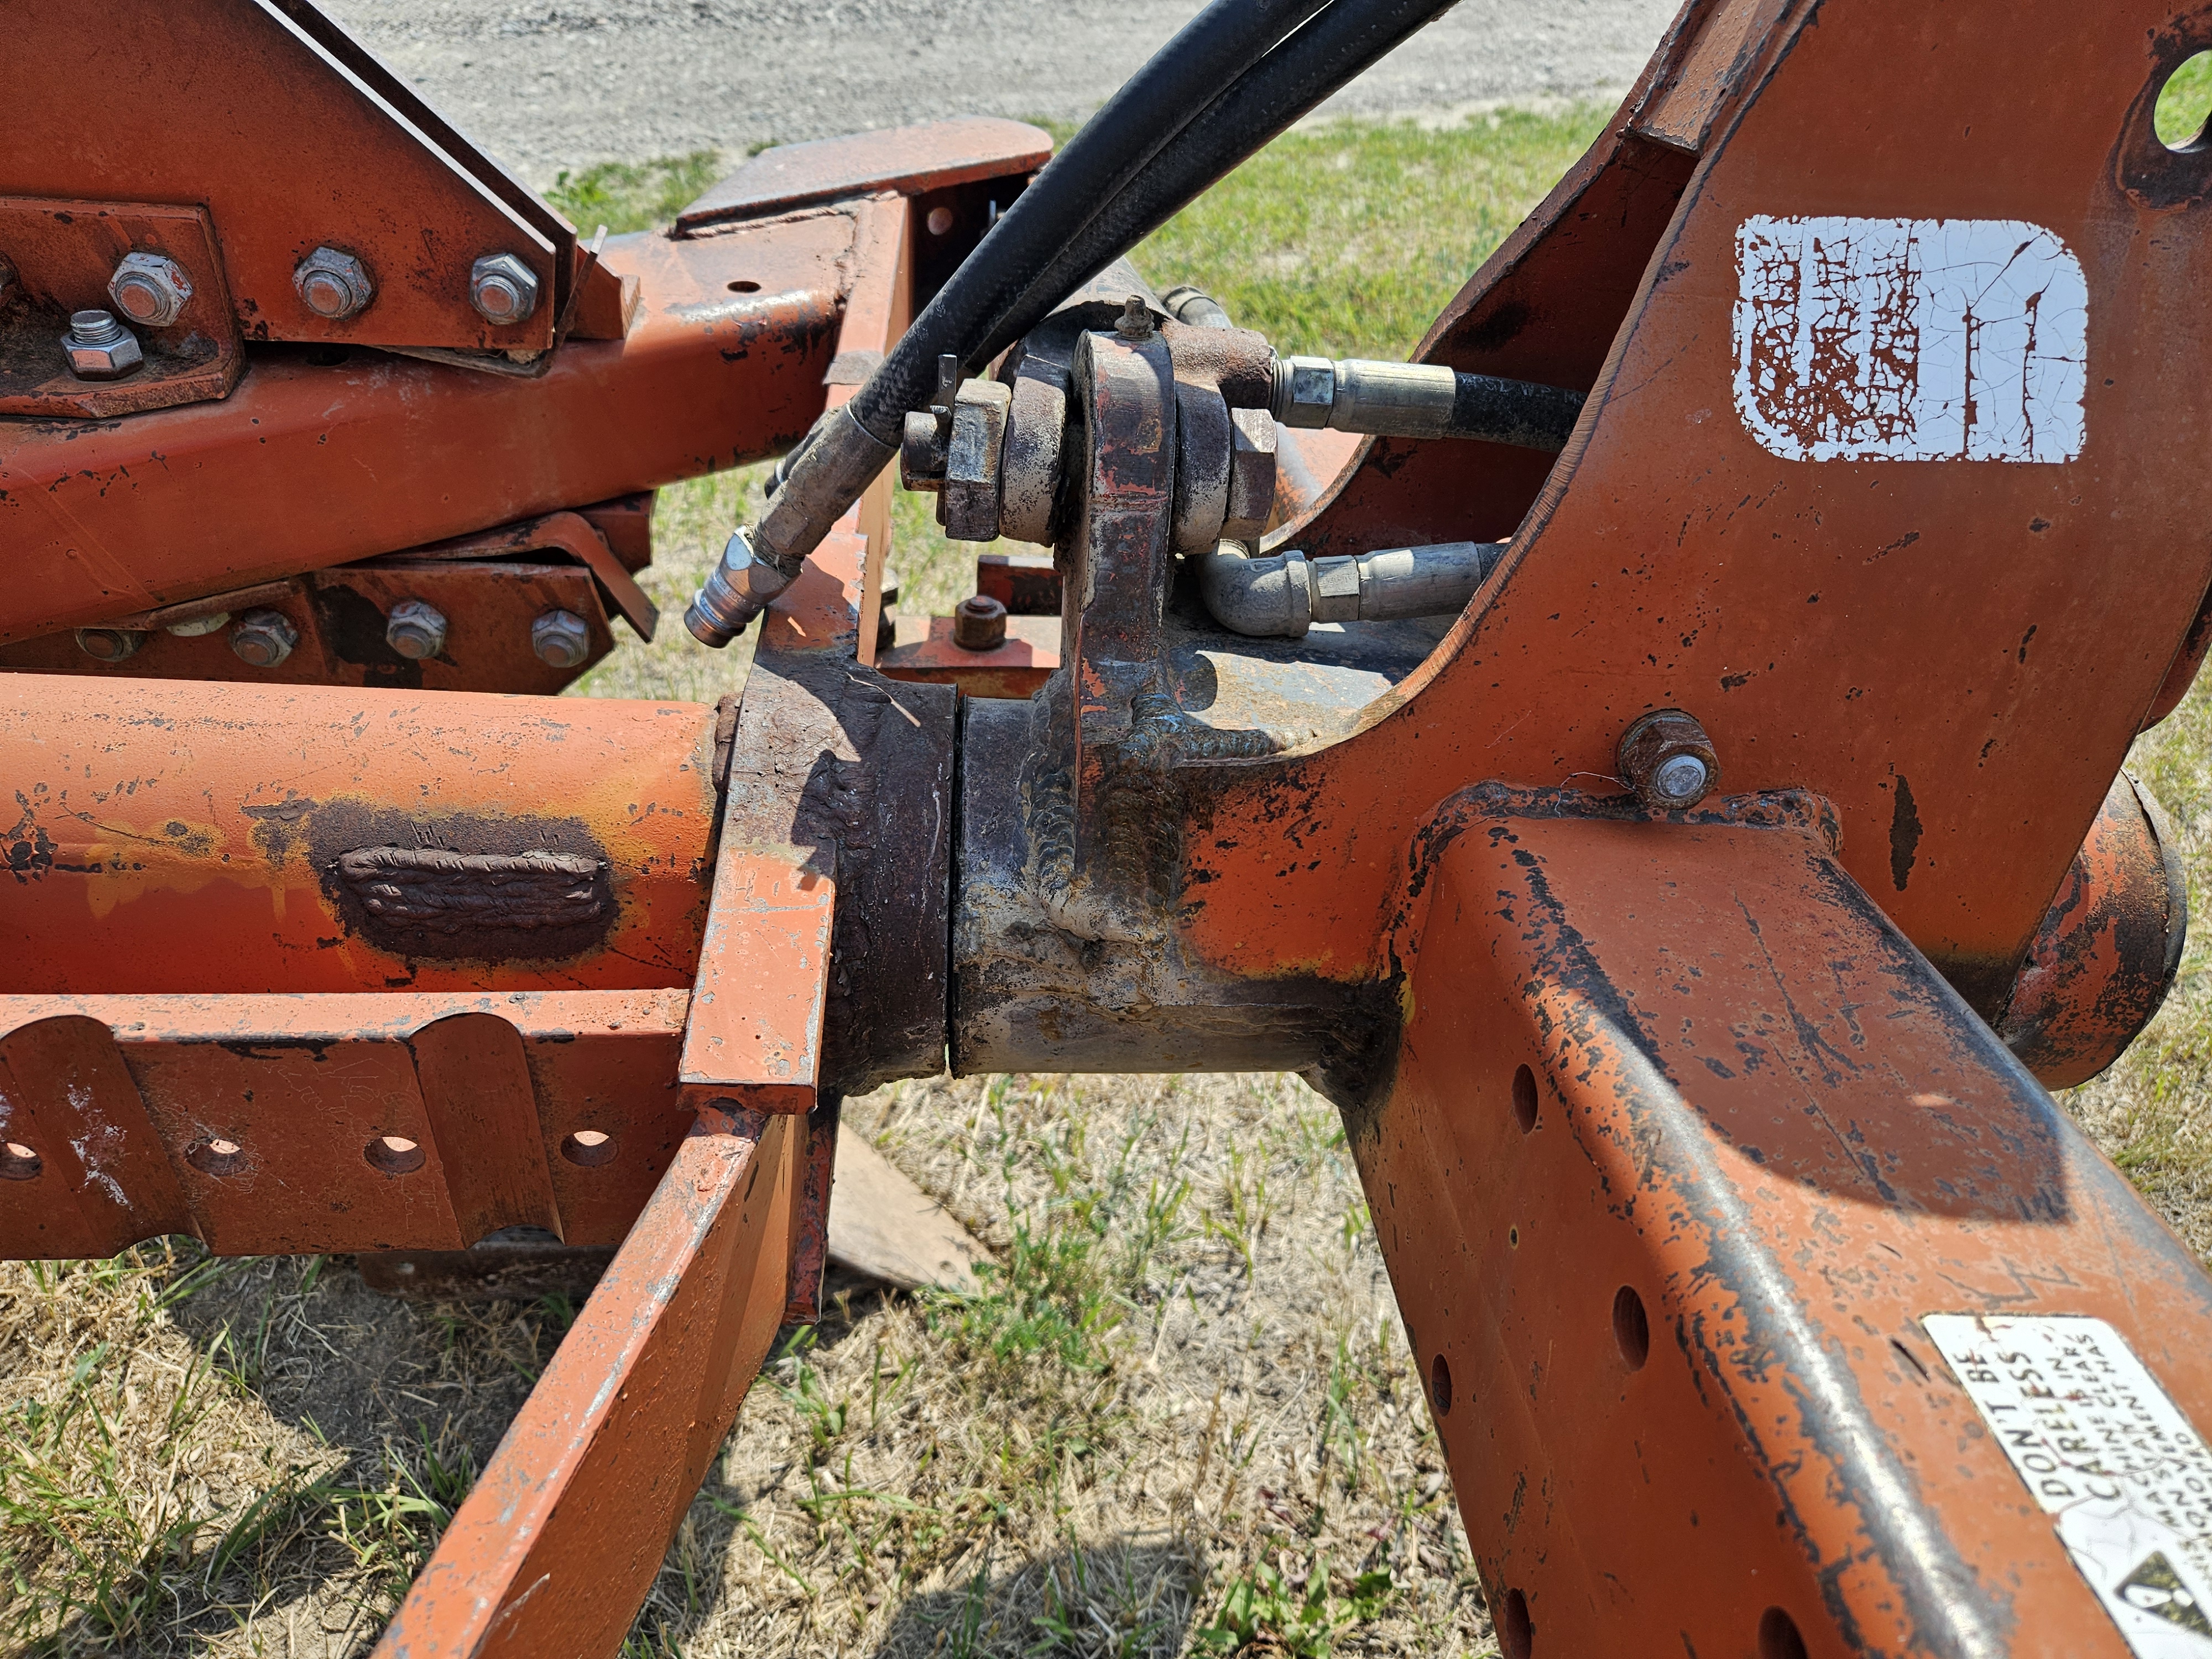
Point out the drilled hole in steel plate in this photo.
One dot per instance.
(1632, 1328)
(1440, 1385)
(393, 1154)
(2185, 103)
(589, 1147)
(1778, 1635)
(1524, 1099)
(1516, 1634)
(18, 1162)
(1513, 1237)
(216, 1157)
(745, 285)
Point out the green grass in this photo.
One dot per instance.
(627, 196)
(2185, 101)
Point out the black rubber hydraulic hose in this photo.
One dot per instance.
(1330, 50)
(1214, 50)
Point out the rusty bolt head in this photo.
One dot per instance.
(109, 644)
(332, 284)
(100, 348)
(149, 290)
(502, 288)
(980, 623)
(1135, 322)
(262, 639)
(1668, 760)
(415, 629)
(561, 639)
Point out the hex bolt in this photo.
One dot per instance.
(561, 639)
(502, 288)
(99, 348)
(980, 623)
(1668, 760)
(262, 639)
(109, 644)
(333, 285)
(416, 630)
(150, 289)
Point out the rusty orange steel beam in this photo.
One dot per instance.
(1765, 1303)
(561, 1538)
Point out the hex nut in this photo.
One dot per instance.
(333, 285)
(979, 623)
(1251, 475)
(99, 348)
(262, 639)
(150, 289)
(561, 639)
(1305, 390)
(502, 288)
(416, 629)
(1668, 760)
(109, 644)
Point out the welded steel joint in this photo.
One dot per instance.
(1668, 760)
(149, 288)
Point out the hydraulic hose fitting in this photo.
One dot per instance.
(824, 475)
(741, 586)
(1422, 400)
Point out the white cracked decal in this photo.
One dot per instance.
(1910, 340)
(2108, 1455)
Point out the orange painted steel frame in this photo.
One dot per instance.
(240, 1000)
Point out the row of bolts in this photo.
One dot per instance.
(413, 628)
(151, 290)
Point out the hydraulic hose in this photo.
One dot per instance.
(847, 449)
(1213, 50)
(1332, 48)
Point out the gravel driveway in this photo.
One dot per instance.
(547, 84)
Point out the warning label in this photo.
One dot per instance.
(2106, 1451)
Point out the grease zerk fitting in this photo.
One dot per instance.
(820, 480)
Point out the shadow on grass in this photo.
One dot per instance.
(1132, 1597)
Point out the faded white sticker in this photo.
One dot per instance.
(2103, 1450)
(1910, 340)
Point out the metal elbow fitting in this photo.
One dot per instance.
(1283, 596)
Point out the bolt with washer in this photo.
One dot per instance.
(262, 639)
(979, 623)
(99, 348)
(502, 288)
(561, 639)
(416, 629)
(1668, 760)
(333, 285)
(109, 644)
(150, 289)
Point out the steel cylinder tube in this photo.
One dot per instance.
(166, 837)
